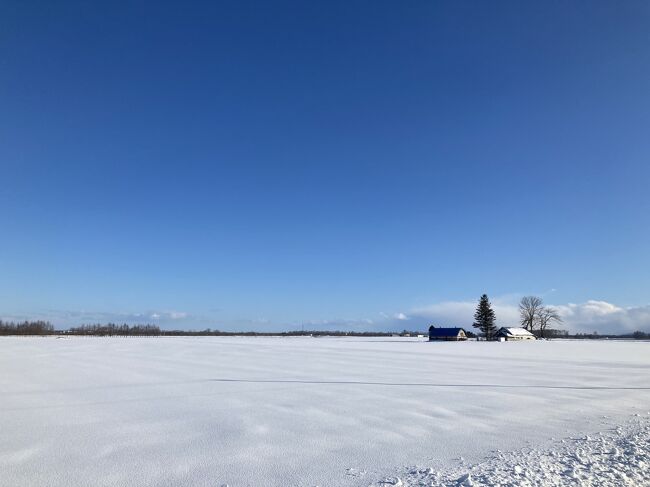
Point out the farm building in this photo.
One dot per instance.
(446, 334)
(509, 334)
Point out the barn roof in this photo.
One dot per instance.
(522, 332)
(444, 332)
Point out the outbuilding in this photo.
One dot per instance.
(514, 334)
(446, 334)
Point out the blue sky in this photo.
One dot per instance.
(352, 165)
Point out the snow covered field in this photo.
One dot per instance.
(322, 411)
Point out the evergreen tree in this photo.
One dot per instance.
(484, 318)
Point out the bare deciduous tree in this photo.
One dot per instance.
(529, 308)
(545, 317)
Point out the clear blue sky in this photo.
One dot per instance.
(270, 164)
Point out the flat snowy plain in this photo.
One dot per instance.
(322, 411)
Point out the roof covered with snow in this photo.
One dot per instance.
(521, 332)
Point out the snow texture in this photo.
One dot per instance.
(322, 412)
(617, 457)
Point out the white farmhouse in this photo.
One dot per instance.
(509, 334)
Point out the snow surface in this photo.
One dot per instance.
(322, 411)
(616, 457)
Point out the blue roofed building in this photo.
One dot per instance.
(446, 334)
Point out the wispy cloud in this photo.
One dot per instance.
(589, 316)
(340, 324)
(177, 315)
(65, 318)
(169, 315)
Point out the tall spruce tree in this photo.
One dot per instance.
(484, 318)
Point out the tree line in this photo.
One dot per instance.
(316, 333)
(113, 329)
(26, 328)
(46, 328)
(534, 317)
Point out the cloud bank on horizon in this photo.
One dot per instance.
(587, 317)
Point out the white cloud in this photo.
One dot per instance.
(461, 313)
(342, 324)
(590, 316)
(67, 318)
(177, 315)
(401, 317)
(604, 317)
(165, 315)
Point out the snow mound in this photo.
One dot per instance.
(619, 457)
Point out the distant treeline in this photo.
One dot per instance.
(46, 328)
(112, 329)
(26, 328)
(637, 335)
(551, 333)
(210, 332)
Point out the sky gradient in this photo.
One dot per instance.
(348, 165)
